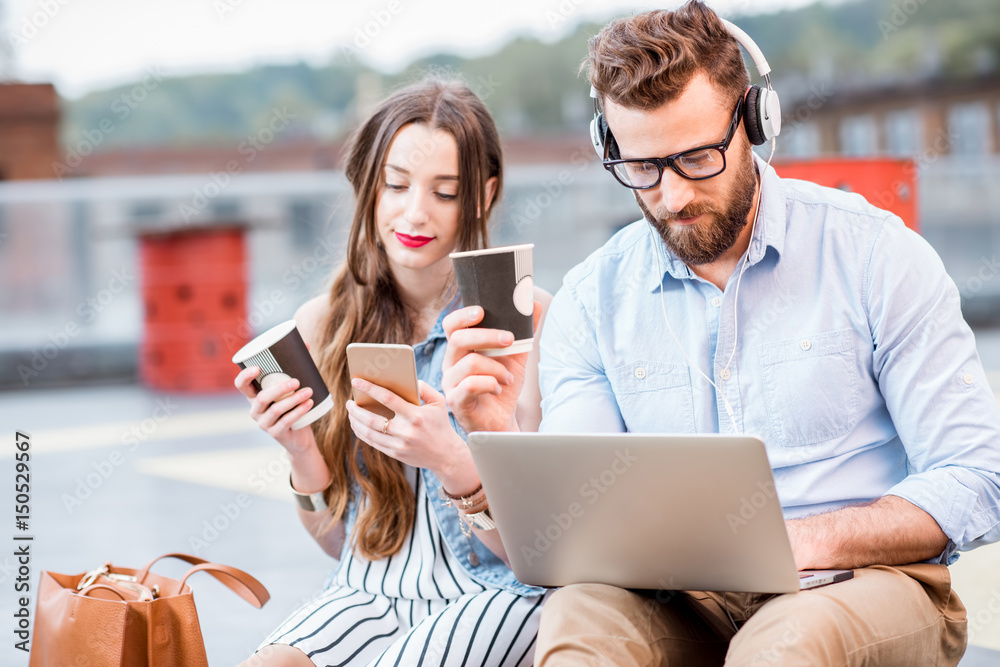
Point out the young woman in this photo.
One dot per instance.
(417, 583)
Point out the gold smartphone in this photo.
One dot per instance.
(391, 366)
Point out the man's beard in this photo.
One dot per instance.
(706, 240)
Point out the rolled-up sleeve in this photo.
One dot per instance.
(576, 394)
(935, 389)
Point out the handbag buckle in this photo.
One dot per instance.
(91, 577)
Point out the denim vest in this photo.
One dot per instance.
(479, 563)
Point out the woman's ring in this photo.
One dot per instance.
(385, 427)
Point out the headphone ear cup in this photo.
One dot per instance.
(613, 152)
(601, 138)
(597, 135)
(751, 116)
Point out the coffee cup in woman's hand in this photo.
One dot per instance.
(281, 354)
(500, 281)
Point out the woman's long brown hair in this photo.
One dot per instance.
(365, 305)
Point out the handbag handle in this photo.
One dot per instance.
(239, 582)
(232, 578)
(87, 590)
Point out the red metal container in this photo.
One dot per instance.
(194, 290)
(888, 183)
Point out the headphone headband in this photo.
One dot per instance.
(763, 69)
(762, 113)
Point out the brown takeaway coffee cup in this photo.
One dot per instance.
(281, 354)
(500, 280)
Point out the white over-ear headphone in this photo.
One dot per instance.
(761, 108)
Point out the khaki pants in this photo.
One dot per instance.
(905, 616)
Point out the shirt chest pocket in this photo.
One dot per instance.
(810, 387)
(654, 396)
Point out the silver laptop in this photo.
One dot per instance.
(644, 511)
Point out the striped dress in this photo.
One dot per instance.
(417, 607)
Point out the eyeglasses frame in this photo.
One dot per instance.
(668, 161)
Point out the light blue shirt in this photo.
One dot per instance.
(853, 362)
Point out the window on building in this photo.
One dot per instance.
(902, 133)
(857, 136)
(969, 125)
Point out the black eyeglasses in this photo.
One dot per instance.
(695, 164)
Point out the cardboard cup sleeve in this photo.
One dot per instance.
(500, 280)
(280, 354)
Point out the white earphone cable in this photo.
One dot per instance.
(736, 297)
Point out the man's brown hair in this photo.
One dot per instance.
(645, 61)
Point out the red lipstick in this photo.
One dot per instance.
(413, 241)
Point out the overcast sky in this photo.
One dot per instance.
(83, 45)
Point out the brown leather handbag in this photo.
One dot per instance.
(119, 617)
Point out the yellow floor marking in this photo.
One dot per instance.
(251, 470)
(147, 429)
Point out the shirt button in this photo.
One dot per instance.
(968, 379)
(717, 301)
(473, 558)
(640, 373)
(428, 349)
(806, 344)
(725, 374)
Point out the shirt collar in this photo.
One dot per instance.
(437, 331)
(769, 232)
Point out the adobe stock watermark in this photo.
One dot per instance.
(368, 32)
(327, 250)
(987, 615)
(88, 311)
(483, 86)
(941, 145)
(35, 22)
(774, 654)
(530, 209)
(248, 149)
(899, 16)
(749, 507)
(818, 96)
(88, 484)
(224, 7)
(323, 255)
(121, 108)
(559, 14)
(591, 491)
(229, 513)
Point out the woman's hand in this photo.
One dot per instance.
(482, 391)
(277, 407)
(418, 435)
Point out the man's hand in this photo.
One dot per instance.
(481, 391)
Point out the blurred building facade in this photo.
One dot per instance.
(70, 278)
(927, 116)
(29, 130)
